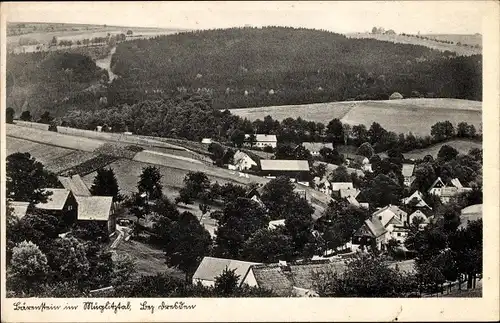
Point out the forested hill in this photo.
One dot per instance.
(245, 67)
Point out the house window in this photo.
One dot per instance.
(380, 217)
(399, 234)
(70, 207)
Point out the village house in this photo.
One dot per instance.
(445, 192)
(416, 199)
(407, 172)
(385, 224)
(262, 140)
(358, 161)
(210, 268)
(371, 233)
(61, 203)
(98, 209)
(242, 161)
(315, 147)
(418, 215)
(293, 169)
(206, 140)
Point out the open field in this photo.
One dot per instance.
(459, 50)
(463, 147)
(318, 112)
(400, 116)
(43, 32)
(146, 142)
(43, 153)
(53, 138)
(148, 260)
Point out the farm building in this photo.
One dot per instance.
(396, 96)
(294, 169)
(19, 209)
(242, 161)
(210, 268)
(206, 140)
(60, 203)
(315, 147)
(470, 213)
(97, 209)
(407, 172)
(262, 141)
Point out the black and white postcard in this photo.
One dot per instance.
(250, 161)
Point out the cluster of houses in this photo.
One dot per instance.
(73, 203)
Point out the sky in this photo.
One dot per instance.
(451, 17)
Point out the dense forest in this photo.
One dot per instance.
(239, 67)
(245, 67)
(53, 81)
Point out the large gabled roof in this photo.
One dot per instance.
(75, 184)
(436, 182)
(96, 208)
(56, 199)
(418, 197)
(284, 165)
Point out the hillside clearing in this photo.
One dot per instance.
(459, 50)
(148, 260)
(401, 116)
(463, 147)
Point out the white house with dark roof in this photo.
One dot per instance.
(415, 215)
(416, 199)
(315, 147)
(445, 192)
(262, 140)
(242, 161)
(393, 219)
(210, 268)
